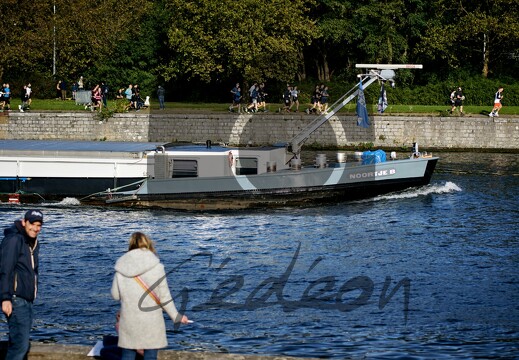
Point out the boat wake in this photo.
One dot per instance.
(445, 188)
(69, 201)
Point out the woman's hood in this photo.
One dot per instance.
(136, 262)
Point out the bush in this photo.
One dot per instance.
(478, 91)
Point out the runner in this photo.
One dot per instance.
(497, 102)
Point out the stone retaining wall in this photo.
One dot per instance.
(433, 132)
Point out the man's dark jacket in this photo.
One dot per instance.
(16, 264)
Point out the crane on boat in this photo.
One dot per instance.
(385, 72)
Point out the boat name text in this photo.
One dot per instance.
(371, 174)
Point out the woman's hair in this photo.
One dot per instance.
(140, 240)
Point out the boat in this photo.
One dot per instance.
(35, 170)
(219, 177)
(194, 178)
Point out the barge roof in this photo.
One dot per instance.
(45, 148)
(59, 145)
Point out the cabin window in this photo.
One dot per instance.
(246, 166)
(185, 168)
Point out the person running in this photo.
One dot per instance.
(295, 98)
(287, 98)
(458, 100)
(254, 95)
(316, 101)
(7, 97)
(497, 103)
(324, 99)
(236, 98)
(23, 97)
(262, 97)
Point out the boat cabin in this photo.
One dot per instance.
(184, 161)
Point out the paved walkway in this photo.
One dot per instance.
(78, 352)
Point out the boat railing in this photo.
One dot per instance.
(110, 192)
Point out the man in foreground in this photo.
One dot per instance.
(19, 280)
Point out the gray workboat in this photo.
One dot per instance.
(207, 177)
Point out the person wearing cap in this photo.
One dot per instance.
(19, 280)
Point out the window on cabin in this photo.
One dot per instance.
(246, 166)
(185, 168)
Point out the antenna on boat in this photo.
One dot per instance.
(386, 71)
(375, 72)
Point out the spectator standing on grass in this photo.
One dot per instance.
(80, 84)
(104, 93)
(129, 93)
(74, 89)
(161, 93)
(136, 98)
(497, 102)
(58, 90)
(63, 90)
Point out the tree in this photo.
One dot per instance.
(25, 36)
(335, 31)
(254, 39)
(87, 31)
(68, 35)
(365, 31)
(479, 33)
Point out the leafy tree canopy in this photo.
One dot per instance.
(253, 39)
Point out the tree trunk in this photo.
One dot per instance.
(302, 68)
(486, 53)
(319, 69)
(326, 69)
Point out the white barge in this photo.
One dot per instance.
(37, 170)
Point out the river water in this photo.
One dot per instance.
(425, 274)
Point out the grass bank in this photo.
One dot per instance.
(434, 110)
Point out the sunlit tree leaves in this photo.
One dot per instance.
(482, 34)
(258, 40)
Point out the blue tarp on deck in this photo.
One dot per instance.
(373, 157)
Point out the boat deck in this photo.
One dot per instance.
(74, 148)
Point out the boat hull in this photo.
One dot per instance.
(32, 190)
(286, 189)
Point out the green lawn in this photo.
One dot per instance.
(69, 105)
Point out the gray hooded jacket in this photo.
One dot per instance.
(142, 327)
